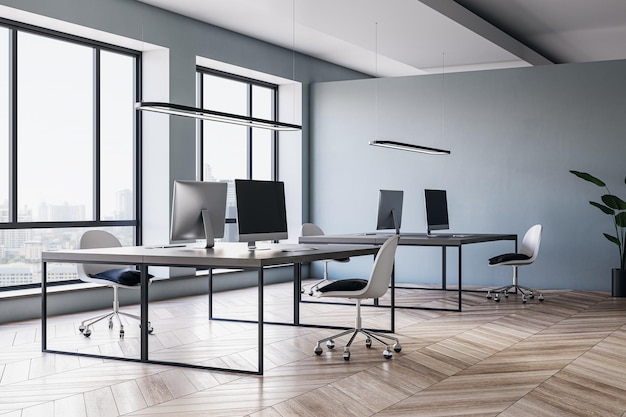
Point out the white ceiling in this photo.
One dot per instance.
(408, 37)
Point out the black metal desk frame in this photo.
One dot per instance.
(224, 255)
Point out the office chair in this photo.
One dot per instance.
(525, 256)
(310, 229)
(114, 276)
(360, 289)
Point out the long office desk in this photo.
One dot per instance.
(223, 255)
(417, 239)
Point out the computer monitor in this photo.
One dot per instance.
(198, 211)
(436, 210)
(261, 211)
(389, 210)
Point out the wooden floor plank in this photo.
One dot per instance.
(562, 357)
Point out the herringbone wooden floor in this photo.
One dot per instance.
(563, 357)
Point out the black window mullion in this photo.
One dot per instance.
(249, 132)
(13, 209)
(275, 136)
(96, 135)
(200, 98)
(138, 154)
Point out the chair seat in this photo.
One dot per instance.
(122, 276)
(352, 284)
(508, 257)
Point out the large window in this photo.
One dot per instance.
(232, 151)
(68, 141)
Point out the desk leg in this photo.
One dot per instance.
(297, 284)
(44, 306)
(444, 273)
(143, 271)
(460, 276)
(393, 299)
(210, 293)
(260, 321)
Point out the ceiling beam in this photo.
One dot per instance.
(480, 26)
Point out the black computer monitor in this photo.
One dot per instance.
(261, 211)
(198, 211)
(389, 210)
(436, 210)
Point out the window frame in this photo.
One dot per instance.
(14, 27)
(251, 82)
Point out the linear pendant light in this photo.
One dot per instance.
(215, 116)
(408, 147)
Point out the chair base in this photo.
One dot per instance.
(369, 336)
(86, 325)
(514, 288)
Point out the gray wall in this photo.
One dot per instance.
(514, 135)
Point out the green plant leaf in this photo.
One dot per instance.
(614, 202)
(613, 239)
(602, 207)
(620, 219)
(589, 177)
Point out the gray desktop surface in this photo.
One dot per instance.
(233, 255)
(407, 238)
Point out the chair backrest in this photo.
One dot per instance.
(381, 271)
(92, 239)
(310, 229)
(531, 242)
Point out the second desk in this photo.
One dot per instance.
(418, 239)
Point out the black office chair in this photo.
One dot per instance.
(310, 229)
(114, 276)
(526, 256)
(360, 289)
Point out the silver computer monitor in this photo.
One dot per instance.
(198, 211)
(389, 210)
(436, 210)
(261, 210)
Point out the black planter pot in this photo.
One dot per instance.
(618, 289)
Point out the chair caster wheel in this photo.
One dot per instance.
(540, 298)
(496, 299)
(387, 354)
(524, 300)
(506, 294)
(82, 328)
(489, 296)
(87, 332)
(110, 323)
(346, 355)
(531, 295)
(368, 343)
(318, 350)
(397, 347)
(122, 334)
(330, 344)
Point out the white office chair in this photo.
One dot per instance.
(525, 256)
(360, 289)
(310, 229)
(119, 276)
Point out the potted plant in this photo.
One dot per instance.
(616, 208)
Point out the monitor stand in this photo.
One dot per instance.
(208, 230)
(253, 247)
(396, 221)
